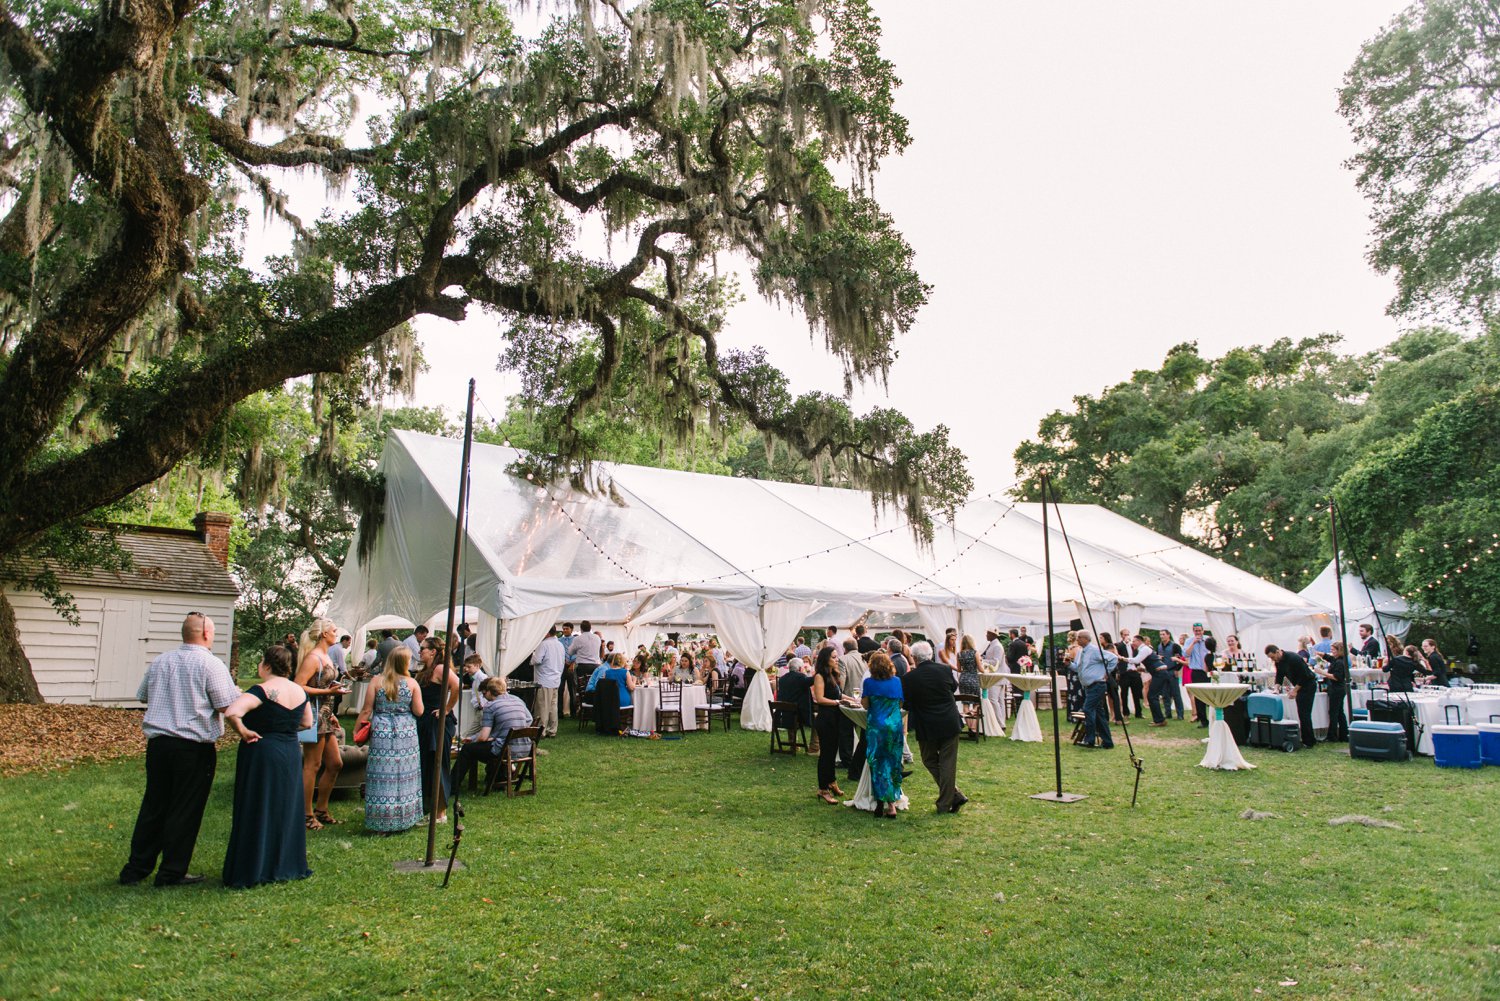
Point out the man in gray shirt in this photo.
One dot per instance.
(1094, 666)
(185, 690)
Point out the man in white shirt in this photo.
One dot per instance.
(547, 672)
(994, 652)
(185, 690)
(414, 642)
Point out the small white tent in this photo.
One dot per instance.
(755, 561)
(1360, 605)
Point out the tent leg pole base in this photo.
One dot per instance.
(1059, 797)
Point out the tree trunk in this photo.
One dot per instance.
(16, 682)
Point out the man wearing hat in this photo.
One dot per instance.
(994, 652)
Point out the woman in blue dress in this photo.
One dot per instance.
(267, 837)
(881, 697)
(393, 772)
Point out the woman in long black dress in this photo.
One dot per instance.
(826, 696)
(267, 837)
(430, 736)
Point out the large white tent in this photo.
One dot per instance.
(637, 550)
(1360, 603)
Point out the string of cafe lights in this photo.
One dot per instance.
(1468, 564)
(557, 505)
(930, 578)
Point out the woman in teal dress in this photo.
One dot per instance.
(881, 697)
(393, 772)
(267, 837)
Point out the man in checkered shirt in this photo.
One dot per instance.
(185, 690)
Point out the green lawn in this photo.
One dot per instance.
(705, 868)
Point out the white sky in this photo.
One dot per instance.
(1090, 184)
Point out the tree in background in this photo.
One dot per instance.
(1423, 101)
(496, 161)
(1236, 455)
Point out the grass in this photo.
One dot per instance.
(704, 868)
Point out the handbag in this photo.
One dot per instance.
(309, 735)
(362, 733)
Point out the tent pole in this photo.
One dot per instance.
(1050, 647)
(1338, 577)
(441, 757)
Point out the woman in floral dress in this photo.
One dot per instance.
(881, 697)
(393, 773)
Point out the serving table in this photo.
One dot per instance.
(1222, 752)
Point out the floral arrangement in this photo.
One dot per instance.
(1024, 662)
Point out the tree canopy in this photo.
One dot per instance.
(1423, 101)
(576, 177)
(1238, 456)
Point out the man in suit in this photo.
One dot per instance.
(927, 690)
(1369, 646)
(796, 687)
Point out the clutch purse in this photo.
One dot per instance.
(362, 733)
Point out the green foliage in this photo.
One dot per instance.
(1423, 100)
(1238, 454)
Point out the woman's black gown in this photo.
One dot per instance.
(268, 836)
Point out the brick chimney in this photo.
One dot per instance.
(214, 527)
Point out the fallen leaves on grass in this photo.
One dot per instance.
(43, 738)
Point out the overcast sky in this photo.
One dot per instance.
(1090, 184)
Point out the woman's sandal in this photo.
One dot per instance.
(836, 790)
(827, 797)
(313, 824)
(325, 819)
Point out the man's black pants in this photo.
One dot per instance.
(179, 777)
(1130, 683)
(1160, 695)
(1306, 695)
(940, 758)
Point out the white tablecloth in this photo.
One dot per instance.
(1026, 728)
(755, 714)
(864, 797)
(996, 692)
(354, 702)
(648, 698)
(1222, 752)
(1431, 706)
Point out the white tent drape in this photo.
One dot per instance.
(757, 640)
(1129, 617)
(487, 638)
(1221, 624)
(936, 621)
(520, 636)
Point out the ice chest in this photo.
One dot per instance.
(1378, 741)
(1489, 742)
(1455, 746)
(1261, 704)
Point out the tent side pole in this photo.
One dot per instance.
(1338, 576)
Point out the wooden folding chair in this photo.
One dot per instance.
(516, 767)
(784, 720)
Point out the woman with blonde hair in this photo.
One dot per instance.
(393, 774)
(320, 680)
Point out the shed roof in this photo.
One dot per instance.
(162, 559)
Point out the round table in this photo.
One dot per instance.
(1026, 726)
(647, 699)
(1222, 751)
(864, 798)
(994, 694)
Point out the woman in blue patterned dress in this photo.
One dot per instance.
(881, 697)
(393, 773)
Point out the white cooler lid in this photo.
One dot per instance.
(1453, 728)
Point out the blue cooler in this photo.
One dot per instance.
(1489, 742)
(1455, 746)
(1261, 704)
(1378, 741)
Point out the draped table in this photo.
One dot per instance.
(991, 726)
(991, 684)
(864, 797)
(1222, 752)
(1256, 677)
(647, 699)
(755, 712)
(1026, 727)
(1358, 675)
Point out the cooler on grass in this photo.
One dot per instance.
(1455, 746)
(1261, 704)
(1378, 741)
(1489, 742)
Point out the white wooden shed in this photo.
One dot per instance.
(128, 618)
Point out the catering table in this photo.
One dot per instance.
(647, 699)
(1359, 675)
(755, 712)
(1026, 727)
(1222, 752)
(1256, 677)
(864, 797)
(1431, 703)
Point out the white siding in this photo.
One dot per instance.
(65, 658)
